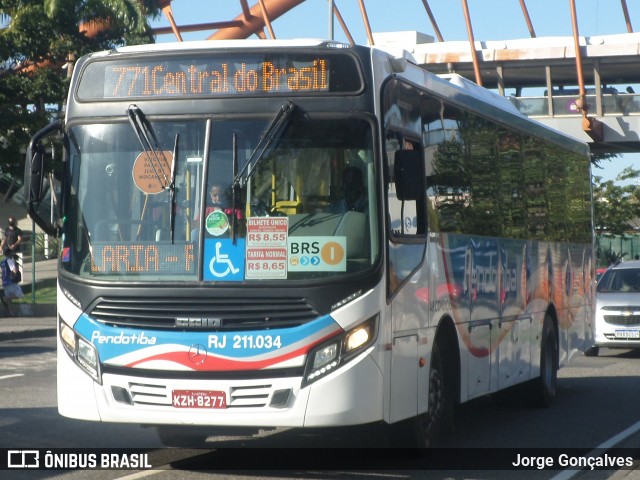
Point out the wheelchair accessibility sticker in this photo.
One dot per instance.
(223, 260)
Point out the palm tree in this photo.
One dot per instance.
(76, 27)
(100, 14)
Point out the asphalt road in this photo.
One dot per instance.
(595, 412)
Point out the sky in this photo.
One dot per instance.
(491, 20)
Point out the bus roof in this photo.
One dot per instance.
(224, 44)
(466, 88)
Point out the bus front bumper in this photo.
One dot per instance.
(351, 395)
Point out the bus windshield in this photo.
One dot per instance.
(153, 199)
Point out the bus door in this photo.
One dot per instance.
(515, 327)
(407, 251)
(499, 327)
(484, 314)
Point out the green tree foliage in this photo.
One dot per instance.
(37, 40)
(617, 203)
(597, 158)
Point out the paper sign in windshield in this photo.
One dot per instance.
(266, 255)
(152, 171)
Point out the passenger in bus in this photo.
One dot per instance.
(217, 201)
(216, 196)
(221, 200)
(352, 193)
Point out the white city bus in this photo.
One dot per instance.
(388, 243)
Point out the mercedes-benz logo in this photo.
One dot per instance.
(197, 354)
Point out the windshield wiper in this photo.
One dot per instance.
(159, 164)
(235, 190)
(172, 188)
(149, 143)
(272, 133)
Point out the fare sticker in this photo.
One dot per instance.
(266, 254)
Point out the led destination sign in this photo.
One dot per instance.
(160, 80)
(211, 76)
(142, 258)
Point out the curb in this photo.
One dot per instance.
(31, 333)
(34, 309)
(29, 321)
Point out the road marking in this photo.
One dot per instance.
(4, 377)
(598, 451)
(176, 455)
(142, 474)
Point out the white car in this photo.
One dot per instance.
(618, 308)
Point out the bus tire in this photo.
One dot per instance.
(427, 429)
(544, 387)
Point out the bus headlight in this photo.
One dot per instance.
(327, 357)
(82, 352)
(68, 337)
(88, 358)
(359, 336)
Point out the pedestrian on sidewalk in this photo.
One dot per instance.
(12, 237)
(10, 280)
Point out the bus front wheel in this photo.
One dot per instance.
(427, 429)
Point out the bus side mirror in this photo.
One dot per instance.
(34, 165)
(34, 177)
(408, 174)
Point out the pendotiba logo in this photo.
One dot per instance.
(122, 339)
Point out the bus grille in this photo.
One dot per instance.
(213, 314)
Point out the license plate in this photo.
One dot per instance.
(199, 399)
(627, 333)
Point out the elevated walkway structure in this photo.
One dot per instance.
(584, 86)
(587, 92)
(539, 76)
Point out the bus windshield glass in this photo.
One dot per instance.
(153, 199)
